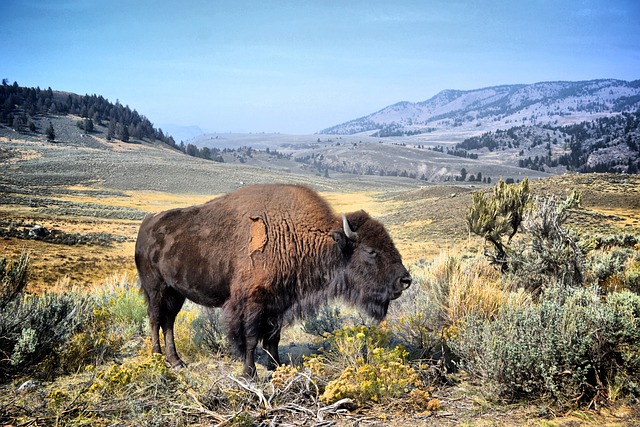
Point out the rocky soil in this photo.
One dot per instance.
(33, 231)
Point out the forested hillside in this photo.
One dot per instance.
(608, 144)
(19, 106)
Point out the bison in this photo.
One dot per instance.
(267, 254)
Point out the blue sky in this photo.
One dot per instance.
(301, 66)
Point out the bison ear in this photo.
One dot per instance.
(340, 238)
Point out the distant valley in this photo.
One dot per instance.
(545, 128)
(475, 136)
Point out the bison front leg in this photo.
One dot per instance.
(242, 331)
(249, 368)
(271, 342)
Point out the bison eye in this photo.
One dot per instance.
(372, 253)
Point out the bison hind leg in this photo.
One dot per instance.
(153, 297)
(163, 305)
(172, 303)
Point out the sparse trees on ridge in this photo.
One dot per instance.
(16, 101)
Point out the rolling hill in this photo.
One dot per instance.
(438, 140)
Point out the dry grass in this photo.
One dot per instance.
(54, 265)
(147, 201)
(423, 223)
(473, 287)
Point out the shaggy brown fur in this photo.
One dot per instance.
(266, 254)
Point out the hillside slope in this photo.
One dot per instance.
(608, 144)
(500, 107)
(77, 158)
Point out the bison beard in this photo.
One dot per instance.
(266, 254)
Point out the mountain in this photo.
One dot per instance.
(499, 107)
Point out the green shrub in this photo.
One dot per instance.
(605, 266)
(54, 333)
(570, 347)
(615, 269)
(209, 331)
(497, 219)
(625, 240)
(328, 319)
(548, 252)
(13, 280)
(34, 331)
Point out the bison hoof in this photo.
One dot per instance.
(177, 365)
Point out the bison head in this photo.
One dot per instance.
(373, 270)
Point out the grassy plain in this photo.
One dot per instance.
(56, 266)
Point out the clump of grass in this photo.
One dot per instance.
(121, 294)
(186, 334)
(444, 292)
(13, 279)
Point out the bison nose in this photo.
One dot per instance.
(405, 282)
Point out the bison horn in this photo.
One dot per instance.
(351, 235)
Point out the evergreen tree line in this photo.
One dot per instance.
(203, 153)
(397, 129)
(587, 137)
(241, 154)
(580, 139)
(20, 105)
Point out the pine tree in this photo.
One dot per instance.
(50, 132)
(111, 131)
(123, 134)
